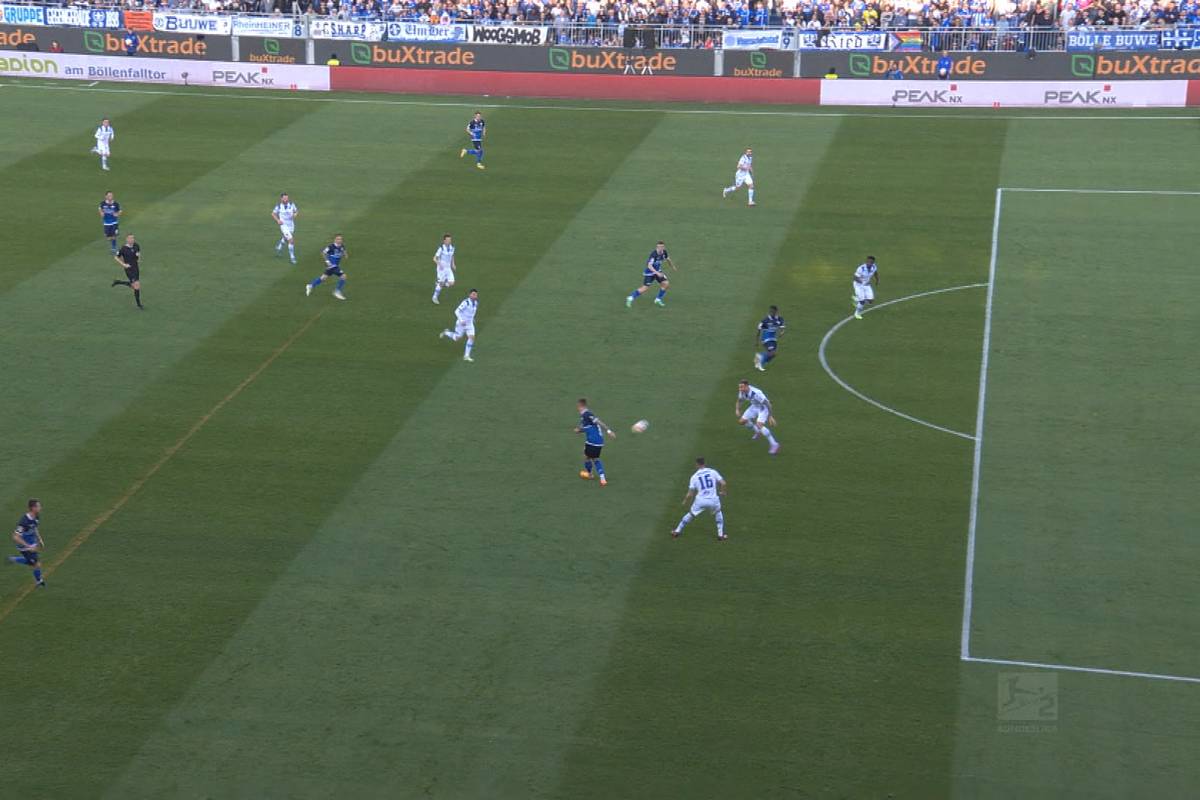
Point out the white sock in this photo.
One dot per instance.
(770, 437)
(686, 519)
(104, 161)
(751, 195)
(467, 349)
(720, 523)
(291, 250)
(437, 289)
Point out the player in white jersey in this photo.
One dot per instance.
(758, 414)
(744, 174)
(864, 295)
(705, 490)
(443, 258)
(104, 136)
(284, 214)
(464, 324)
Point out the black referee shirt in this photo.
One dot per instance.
(130, 254)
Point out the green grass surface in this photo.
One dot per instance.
(372, 570)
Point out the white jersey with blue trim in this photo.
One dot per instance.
(705, 482)
(745, 163)
(754, 396)
(286, 213)
(466, 310)
(105, 134)
(445, 256)
(865, 272)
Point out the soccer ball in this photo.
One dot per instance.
(640, 426)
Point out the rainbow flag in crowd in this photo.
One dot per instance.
(907, 40)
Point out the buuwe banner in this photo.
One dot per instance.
(175, 22)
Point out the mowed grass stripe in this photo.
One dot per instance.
(215, 526)
(27, 129)
(207, 255)
(159, 148)
(744, 670)
(487, 577)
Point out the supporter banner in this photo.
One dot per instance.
(174, 71)
(98, 42)
(601, 60)
(843, 40)
(1112, 40)
(265, 50)
(68, 17)
(1139, 66)
(998, 94)
(174, 22)
(510, 34)
(1181, 37)
(753, 40)
(274, 27)
(22, 15)
(758, 64)
(139, 20)
(104, 18)
(964, 66)
(345, 29)
(420, 32)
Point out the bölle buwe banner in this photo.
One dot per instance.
(164, 70)
(1023, 94)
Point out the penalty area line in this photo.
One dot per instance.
(1124, 673)
(86, 532)
(866, 399)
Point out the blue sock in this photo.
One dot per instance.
(16, 559)
(113, 245)
(587, 467)
(341, 282)
(479, 156)
(766, 358)
(661, 292)
(315, 282)
(599, 468)
(37, 575)
(634, 295)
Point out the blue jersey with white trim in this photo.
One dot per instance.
(655, 261)
(111, 211)
(770, 326)
(475, 127)
(591, 427)
(27, 529)
(333, 253)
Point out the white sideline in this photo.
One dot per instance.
(829, 370)
(551, 106)
(968, 581)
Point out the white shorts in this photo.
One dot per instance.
(702, 504)
(756, 414)
(287, 230)
(102, 148)
(464, 327)
(741, 176)
(863, 292)
(445, 276)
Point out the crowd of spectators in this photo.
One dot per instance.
(949, 19)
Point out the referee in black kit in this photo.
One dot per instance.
(128, 257)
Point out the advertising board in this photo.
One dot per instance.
(998, 94)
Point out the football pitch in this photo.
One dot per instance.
(299, 548)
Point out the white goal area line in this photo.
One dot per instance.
(969, 577)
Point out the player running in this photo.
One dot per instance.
(130, 258)
(475, 129)
(110, 218)
(705, 490)
(284, 214)
(593, 430)
(744, 174)
(29, 542)
(104, 136)
(758, 413)
(333, 254)
(464, 324)
(768, 332)
(443, 258)
(654, 273)
(864, 295)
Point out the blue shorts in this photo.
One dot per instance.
(592, 450)
(477, 144)
(110, 231)
(649, 279)
(770, 344)
(334, 271)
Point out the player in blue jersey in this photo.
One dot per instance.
(593, 430)
(110, 217)
(29, 541)
(333, 254)
(654, 273)
(768, 332)
(475, 129)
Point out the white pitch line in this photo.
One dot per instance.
(93, 83)
(829, 370)
(722, 112)
(969, 570)
(1103, 191)
(1157, 676)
